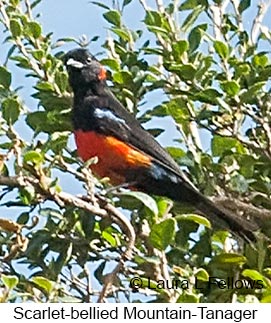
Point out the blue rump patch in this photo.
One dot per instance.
(159, 172)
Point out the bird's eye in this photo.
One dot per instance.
(89, 60)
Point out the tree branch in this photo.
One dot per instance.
(107, 210)
(248, 208)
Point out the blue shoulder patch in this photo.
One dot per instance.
(100, 113)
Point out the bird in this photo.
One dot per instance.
(127, 153)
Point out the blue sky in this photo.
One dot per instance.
(80, 17)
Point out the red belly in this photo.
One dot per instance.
(114, 156)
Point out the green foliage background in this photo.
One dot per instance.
(213, 76)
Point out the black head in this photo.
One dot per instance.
(83, 69)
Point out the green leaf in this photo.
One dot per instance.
(188, 298)
(243, 5)
(109, 238)
(158, 30)
(100, 4)
(27, 195)
(43, 283)
(220, 145)
(232, 88)
(61, 80)
(195, 37)
(163, 205)
(221, 49)
(14, 2)
(23, 218)
(202, 274)
(238, 183)
(10, 110)
(148, 283)
(98, 273)
(254, 275)
(242, 69)
(45, 86)
(162, 234)
(179, 47)
(38, 54)
(267, 271)
(15, 28)
(208, 95)
(112, 63)
(145, 199)
(34, 157)
(10, 281)
(126, 2)
(204, 70)
(34, 120)
(229, 258)
(122, 33)
(123, 77)
(191, 18)
(247, 165)
(5, 77)
(260, 60)
(176, 153)
(58, 141)
(113, 17)
(186, 72)
(195, 218)
(35, 3)
(250, 95)
(49, 122)
(191, 4)
(34, 29)
(153, 18)
(22, 61)
(155, 132)
(266, 298)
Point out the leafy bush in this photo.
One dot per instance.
(213, 80)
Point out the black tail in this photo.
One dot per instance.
(181, 190)
(225, 219)
(219, 216)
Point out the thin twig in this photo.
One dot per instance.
(110, 278)
(33, 64)
(28, 9)
(257, 22)
(144, 5)
(160, 6)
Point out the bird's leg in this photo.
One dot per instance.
(117, 188)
